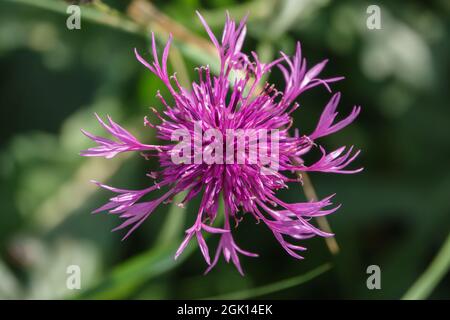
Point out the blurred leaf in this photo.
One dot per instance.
(9, 285)
(256, 9)
(88, 13)
(397, 50)
(170, 232)
(191, 45)
(48, 273)
(131, 274)
(128, 276)
(290, 13)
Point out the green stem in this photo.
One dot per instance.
(109, 18)
(426, 283)
(274, 287)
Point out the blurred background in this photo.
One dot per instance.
(396, 214)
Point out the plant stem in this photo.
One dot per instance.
(311, 195)
(274, 287)
(90, 13)
(146, 14)
(426, 283)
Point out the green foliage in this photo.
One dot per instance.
(395, 214)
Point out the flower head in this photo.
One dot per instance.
(234, 100)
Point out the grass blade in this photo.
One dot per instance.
(426, 283)
(274, 287)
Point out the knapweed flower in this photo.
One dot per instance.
(235, 100)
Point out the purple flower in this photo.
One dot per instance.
(234, 99)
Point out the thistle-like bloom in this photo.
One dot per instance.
(236, 98)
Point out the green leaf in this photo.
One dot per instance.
(273, 287)
(104, 15)
(131, 274)
(128, 276)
